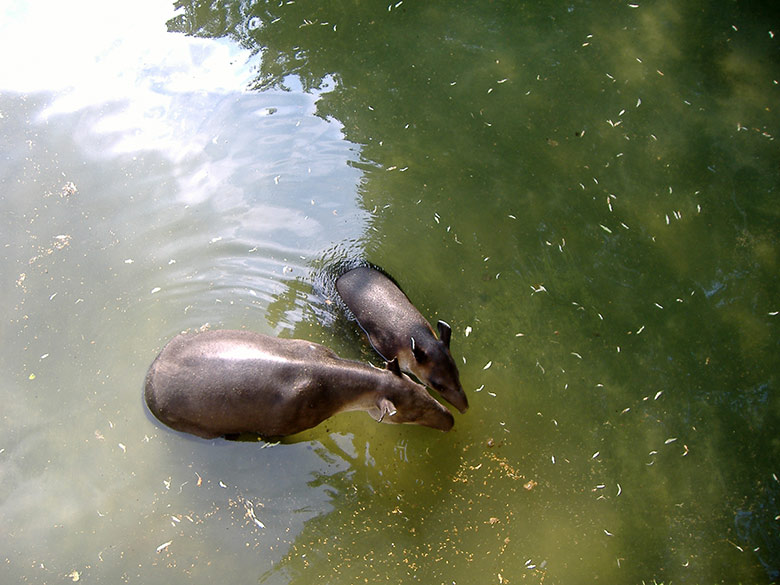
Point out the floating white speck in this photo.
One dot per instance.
(659, 306)
(156, 289)
(575, 354)
(658, 394)
(163, 546)
(519, 334)
(670, 440)
(620, 490)
(215, 240)
(487, 365)
(467, 331)
(123, 447)
(608, 533)
(638, 331)
(222, 485)
(596, 454)
(480, 388)
(605, 228)
(129, 261)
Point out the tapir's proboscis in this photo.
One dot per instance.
(227, 382)
(397, 330)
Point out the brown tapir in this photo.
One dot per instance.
(396, 329)
(227, 382)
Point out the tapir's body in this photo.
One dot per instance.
(396, 329)
(230, 382)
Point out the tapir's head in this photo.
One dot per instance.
(405, 401)
(433, 364)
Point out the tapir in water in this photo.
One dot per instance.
(397, 330)
(226, 382)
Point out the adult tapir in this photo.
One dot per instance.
(227, 382)
(397, 330)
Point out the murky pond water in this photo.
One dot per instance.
(587, 193)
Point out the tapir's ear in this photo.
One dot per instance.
(445, 332)
(384, 407)
(392, 366)
(419, 354)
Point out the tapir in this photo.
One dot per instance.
(397, 330)
(225, 382)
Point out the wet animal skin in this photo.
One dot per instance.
(397, 330)
(230, 382)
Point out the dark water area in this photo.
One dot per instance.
(586, 192)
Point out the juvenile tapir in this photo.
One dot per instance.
(397, 330)
(227, 382)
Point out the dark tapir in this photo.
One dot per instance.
(230, 382)
(396, 329)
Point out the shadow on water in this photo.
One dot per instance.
(590, 195)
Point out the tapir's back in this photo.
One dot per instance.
(382, 310)
(199, 381)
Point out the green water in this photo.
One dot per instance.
(586, 192)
